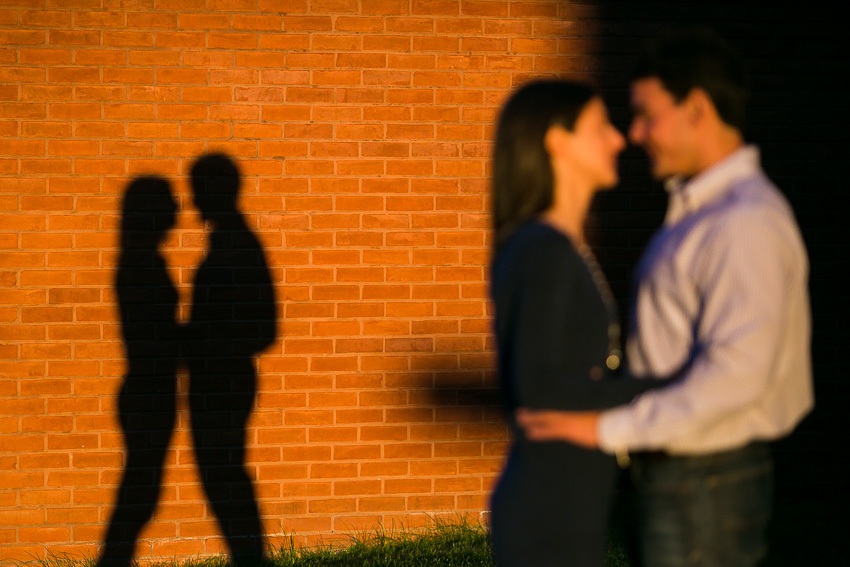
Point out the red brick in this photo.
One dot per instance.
(384, 42)
(266, 23)
(22, 74)
(430, 503)
(45, 56)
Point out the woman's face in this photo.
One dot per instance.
(594, 145)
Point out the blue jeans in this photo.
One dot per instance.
(703, 511)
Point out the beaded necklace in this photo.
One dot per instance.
(615, 355)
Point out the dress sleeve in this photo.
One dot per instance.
(549, 300)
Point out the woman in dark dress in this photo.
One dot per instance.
(555, 324)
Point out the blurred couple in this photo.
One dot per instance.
(718, 352)
(233, 318)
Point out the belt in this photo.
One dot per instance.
(719, 457)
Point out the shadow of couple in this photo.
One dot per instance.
(233, 318)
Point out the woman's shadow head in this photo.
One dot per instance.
(215, 187)
(148, 212)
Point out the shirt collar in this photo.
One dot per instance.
(689, 195)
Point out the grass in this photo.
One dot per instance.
(459, 544)
(443, 544)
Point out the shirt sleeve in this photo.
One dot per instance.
(550, 304)
(740, 278)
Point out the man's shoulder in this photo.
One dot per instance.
(757, 192)
(751, 203)
(753, 216)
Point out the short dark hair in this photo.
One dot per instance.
(700, 58)
(523, 182)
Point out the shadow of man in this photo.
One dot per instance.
(147, 302)
(233, 319)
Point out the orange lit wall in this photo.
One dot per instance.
(362, 132)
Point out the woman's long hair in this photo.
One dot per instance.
(523, 183)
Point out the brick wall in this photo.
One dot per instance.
(362, 133)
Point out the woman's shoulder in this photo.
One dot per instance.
(536, 250)
(537, 240)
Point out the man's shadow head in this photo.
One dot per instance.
(148, 212)
(215, 187)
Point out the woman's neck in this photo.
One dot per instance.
(569, 212)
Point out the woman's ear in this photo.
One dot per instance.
(556, 141)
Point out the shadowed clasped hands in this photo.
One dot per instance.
(579, 428)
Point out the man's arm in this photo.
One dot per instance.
(736, 337)
(740, 278)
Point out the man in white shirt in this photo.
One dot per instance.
(722, 300)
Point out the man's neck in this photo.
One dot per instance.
(719, 146)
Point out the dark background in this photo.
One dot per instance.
(797, 62)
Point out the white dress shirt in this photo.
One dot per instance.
(723, 291)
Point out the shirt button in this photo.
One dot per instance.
(596, 373)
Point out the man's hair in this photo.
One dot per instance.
(699, 58)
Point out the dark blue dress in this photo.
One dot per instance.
(551, 505)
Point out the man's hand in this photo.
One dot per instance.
(575, 427)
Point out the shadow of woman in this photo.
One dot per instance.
(233, 319)
(147, 302)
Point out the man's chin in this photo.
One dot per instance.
(609, 183)
(661, 173)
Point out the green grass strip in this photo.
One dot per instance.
(455, 543)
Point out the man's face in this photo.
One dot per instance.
(662, 128)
